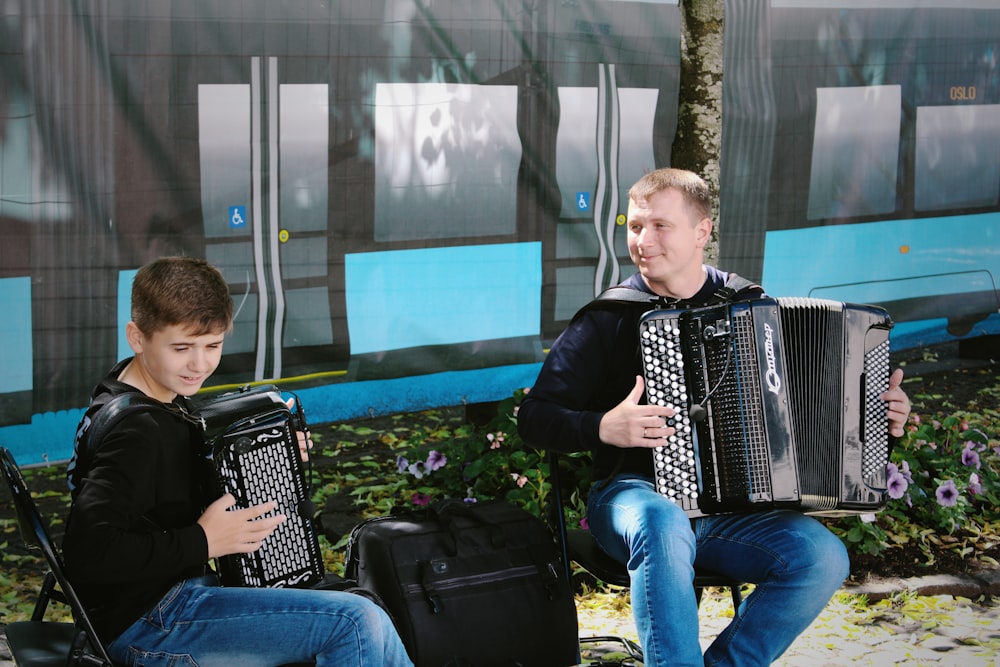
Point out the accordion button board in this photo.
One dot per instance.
(777, 404)
(675, 463)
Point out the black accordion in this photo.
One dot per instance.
(253, 453)
(777, 404)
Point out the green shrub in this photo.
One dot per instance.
(488, 462)
(944, 481)
(477, 463)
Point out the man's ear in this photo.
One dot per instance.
(134, 337)
(703, 231)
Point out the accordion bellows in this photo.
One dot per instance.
(777, 401)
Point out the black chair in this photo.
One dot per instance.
(578, 545)
(41, 643)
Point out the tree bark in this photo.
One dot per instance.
(698, 144)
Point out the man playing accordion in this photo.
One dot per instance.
(588, 397)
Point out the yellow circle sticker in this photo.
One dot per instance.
(283, 235)
(620, 220)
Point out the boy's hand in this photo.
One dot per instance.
(237, 531)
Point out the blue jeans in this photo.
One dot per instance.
(795, 562)
(199, 623)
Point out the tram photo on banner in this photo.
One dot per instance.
(410, 200)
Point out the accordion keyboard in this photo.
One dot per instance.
(675, 464)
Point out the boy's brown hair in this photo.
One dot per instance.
(181, 290)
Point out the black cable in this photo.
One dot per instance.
(697, 411)
(307, 507)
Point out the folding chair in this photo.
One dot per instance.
(38, 642)
(578, 545)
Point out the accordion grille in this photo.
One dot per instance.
(259, 468)
(741, 441)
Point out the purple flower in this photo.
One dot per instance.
(897, 483)
(947, 494)
(402, 464)
(436, 460)
(970, 457)
(421, 499)
(975, 485)
(584, 524)
(417, 469)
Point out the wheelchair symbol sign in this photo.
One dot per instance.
(237, 217)
(583, 201)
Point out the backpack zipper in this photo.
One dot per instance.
(433, 592)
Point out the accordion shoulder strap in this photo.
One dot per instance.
(120, 406)
(103, 416)
(736, 288)
(113, 411)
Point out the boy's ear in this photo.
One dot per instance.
(134, 337)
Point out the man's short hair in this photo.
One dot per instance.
(691, 185)
(181, 290)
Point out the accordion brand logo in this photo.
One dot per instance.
(274, 435)
(245, 444)
(772, 378)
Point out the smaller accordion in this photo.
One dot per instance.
(777, 404)
(254, 454)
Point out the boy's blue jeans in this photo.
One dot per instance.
(199, 623)
(795, 562)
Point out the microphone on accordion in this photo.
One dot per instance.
(253, 453)
(777, 404)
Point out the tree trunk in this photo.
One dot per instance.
(698, 143)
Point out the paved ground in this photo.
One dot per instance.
(929, 622)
